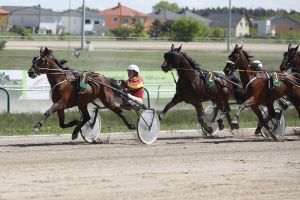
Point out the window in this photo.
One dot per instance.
(115, 19)
(87, 21)
(291, 28)
(96, 22)
(241, 24)
(125, 21)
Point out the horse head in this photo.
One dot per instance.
(44, 61)
(236, 60)
(289, 58)
(172, 59)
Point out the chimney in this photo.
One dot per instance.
(119, 4)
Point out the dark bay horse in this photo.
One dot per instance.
(191, 87)
(291, 60)
(255, 83)
(64, 89)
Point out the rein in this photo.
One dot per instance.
(216, 74)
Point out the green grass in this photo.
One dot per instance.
(22, 124)
(116, 60)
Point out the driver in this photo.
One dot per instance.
(134, 86)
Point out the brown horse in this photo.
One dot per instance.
(64, 89)
(192, 88)
(255, 83)
(291, 60)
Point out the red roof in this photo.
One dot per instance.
(121, 10)
(2, 11)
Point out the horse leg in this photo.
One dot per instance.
(249, 102)
(200, 114)
(119, 112)
(271, 114)
(175, 100)
(262, 122)
(55, 107)
(61, 118)
(85, 117)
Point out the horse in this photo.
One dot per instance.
(291, 60)
(192, 88)
(64, 92)
(255, 83)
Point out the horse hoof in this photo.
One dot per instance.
(209, 130)
(131, 127)
(220, 124)
(74, 136)
(273, 137)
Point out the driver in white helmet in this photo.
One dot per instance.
(135, 84)
(256, 65)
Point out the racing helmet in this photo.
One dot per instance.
(133, 68)
(256, 64)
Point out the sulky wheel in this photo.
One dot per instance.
(148, 127)
(90, 132)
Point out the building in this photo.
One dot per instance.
(283, 25)
(240, 24)
(264, 28)
(40, 20)
(121, 16)
(4, 19)
(94, 23)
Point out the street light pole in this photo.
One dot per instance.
(82, 25)
(229, 28)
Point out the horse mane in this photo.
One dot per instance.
(58, 63)
(248, 57)
(192, 62)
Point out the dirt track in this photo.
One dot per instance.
(177, 166)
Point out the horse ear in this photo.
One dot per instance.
(236, 46)
(46, 52)
(242, 47)
(289, 47)
(172, 47)
(296, 48)
(179, 48)
(41, 50)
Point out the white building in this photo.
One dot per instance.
(94, 23)
(264, 28)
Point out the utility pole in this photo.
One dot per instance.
(82, 25)
(229, 29)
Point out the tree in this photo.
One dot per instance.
(122, 32)
(186, 28)
(138, 29)
(216, 32)
(165, 5)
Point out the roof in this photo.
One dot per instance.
(164, 15)
(78, 13)
(29, 10)
(121, 10)
(283, 21)
(3, 11)
(197, 17)
(222, 20)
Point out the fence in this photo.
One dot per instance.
(106, 38)
(17, 104)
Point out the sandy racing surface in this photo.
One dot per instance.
(177, 166)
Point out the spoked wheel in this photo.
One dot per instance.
(90, 132)
(148, 127)
(210, 116)
(277, 123)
